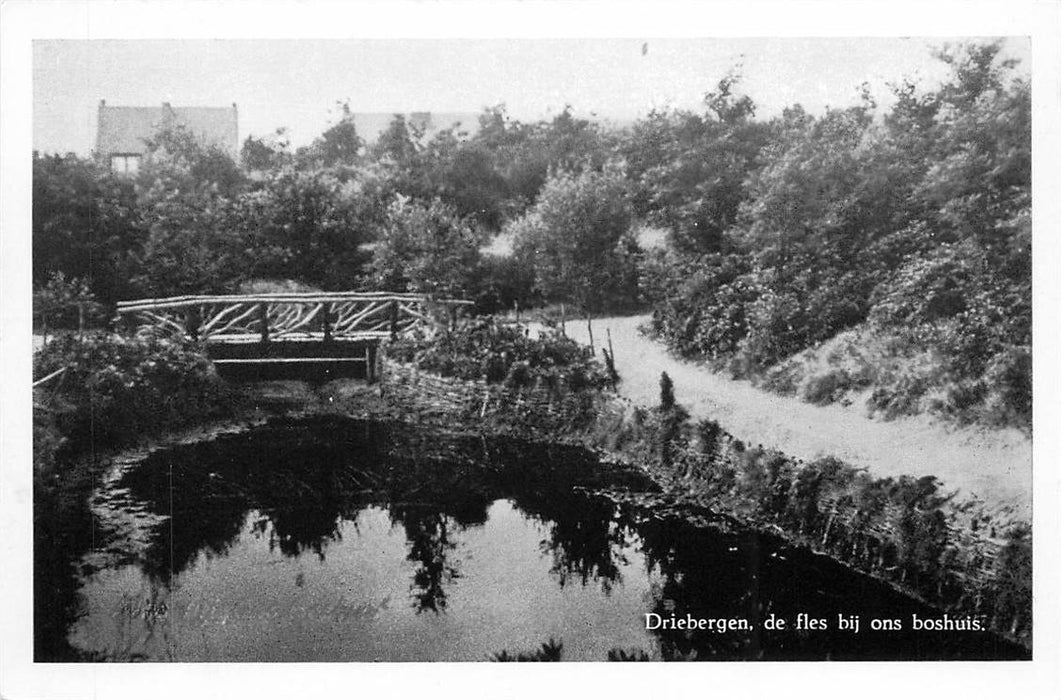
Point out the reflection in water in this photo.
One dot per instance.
(585, 541)
(430, 546)
(301, 540)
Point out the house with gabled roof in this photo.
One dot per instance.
(123, 132)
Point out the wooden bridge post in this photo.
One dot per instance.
(394, 319)
(191, 322)
(263, 318)
(326, 311)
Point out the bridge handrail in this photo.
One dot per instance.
(298, 316)
(282, 298)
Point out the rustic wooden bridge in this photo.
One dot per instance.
(324, 331)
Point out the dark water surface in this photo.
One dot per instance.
(331, 539)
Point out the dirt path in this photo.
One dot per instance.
(994, 466)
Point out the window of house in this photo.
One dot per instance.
(125, 164)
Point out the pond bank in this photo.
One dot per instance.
(960, 556)
(919, 546)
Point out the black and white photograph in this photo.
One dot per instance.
(344, 347)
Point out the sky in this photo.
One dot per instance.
(297, 83)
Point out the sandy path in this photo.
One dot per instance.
(994, 466)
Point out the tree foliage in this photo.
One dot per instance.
(305, 225)
(85, 224)
(427, 248)
(915, 222)
(690, 168)
(578, 240)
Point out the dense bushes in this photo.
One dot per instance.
(84, 225)
(911, 231)
(115, 390)
(484, 349)
(578, 240)
(426, 248)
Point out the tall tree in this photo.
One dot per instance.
(340, 144)
(691, 168)
(84, 224)
(426, 248)
(308, 226)
(578, 240)
(266, 153)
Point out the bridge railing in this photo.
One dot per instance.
(304, 316)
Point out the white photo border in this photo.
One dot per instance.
(23, 21)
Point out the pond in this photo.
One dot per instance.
(334, 539)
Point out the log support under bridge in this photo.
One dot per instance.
(304, 336)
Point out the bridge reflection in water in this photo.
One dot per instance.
(291, 335)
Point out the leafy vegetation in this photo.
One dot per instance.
(84, 225)
(578, 240)
(64, 303)
(484, 349)
(908, 228)
(426, 248)
(115, 390)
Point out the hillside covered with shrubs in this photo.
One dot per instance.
(867, 253)
(881, 252)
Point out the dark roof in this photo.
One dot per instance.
(126, 129)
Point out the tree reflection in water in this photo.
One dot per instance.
(585, 541)
(305, 478)
(428, 533)
(707, 575)
(305, 487)
(208, 490)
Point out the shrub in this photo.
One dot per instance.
(900, 397)
(700, 305)
(66, 303)
(1009, 379)
(1014, 600)
(426, 247)
(485, 349)
(666, 392)
(116, 389)
(578, 239)
(827, 388)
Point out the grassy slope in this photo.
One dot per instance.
(887, 377)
